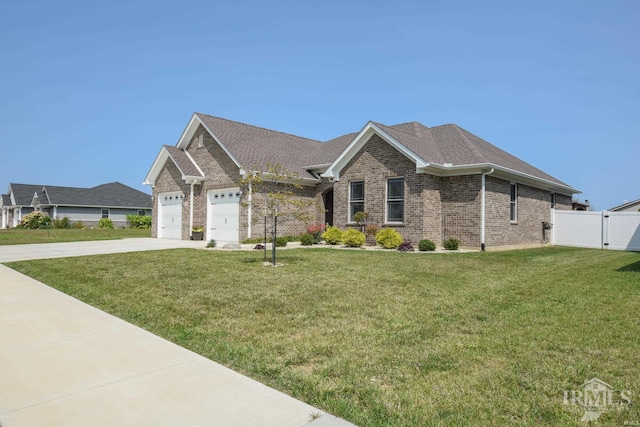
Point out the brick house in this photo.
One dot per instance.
(427, 183)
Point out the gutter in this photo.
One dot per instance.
(483, 208)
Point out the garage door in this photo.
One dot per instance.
(223, 215)
(170, 215)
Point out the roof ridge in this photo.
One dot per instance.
(424, 137)
(259, 127)
(468, 142)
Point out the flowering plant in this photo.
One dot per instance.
(371, 230)
(316, 231)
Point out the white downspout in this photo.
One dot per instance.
(483, 208)
(249, 197)
(191, 208)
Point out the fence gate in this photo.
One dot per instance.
(602, 229)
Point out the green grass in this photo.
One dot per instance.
(20, 236)
(387, 338)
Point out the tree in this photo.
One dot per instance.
(275, 192)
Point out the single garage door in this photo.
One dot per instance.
(223, 215)
(170, 215)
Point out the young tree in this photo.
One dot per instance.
(275, 192)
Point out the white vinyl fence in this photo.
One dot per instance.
(603, 230)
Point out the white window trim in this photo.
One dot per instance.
(514, 203)
(386, 201)
(349, 214)
(108, 213)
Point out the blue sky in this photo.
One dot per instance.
(89, 91)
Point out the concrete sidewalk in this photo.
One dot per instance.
(65, 363)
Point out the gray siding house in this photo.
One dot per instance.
(87, 205)
(427, 183)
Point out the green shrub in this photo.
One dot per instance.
(281, 241)
(62, 223)
(426, 245)
(353, 238)
(211, 244)
(451, 244)
(332, 236)
(105, 223)
(307, 239)
(139, 221)
(389, 238)
(35, 220)
(79, 225)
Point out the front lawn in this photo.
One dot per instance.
(20, 236)
(388, 338)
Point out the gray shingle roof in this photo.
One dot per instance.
(113, 194)
(182, 161)
(255, 147)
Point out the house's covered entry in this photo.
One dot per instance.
(327, 198)
(170, 215)
(223, 215)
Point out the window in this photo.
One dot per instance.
(356, 198)
(514, 203)
(395, 200)
(142, 212)
(105, 213)
(553, 200)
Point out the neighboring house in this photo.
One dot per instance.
(427, 183)
(579, 205)
(87, 205)
(633, 206)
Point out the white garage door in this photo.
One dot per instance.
(170, 215)
(223, 215)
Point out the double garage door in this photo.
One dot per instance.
(223, 215)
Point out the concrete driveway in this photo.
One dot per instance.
(12, 253)
(65, 363)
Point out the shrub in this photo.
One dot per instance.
(307, 239)
(332, 236)
(139, 221)
(406, 247)
(35, 220)
(426, 245)
(105, 223)
(389, 238)
(451, 244)
(353, 238)
(211, 244)
(62, 223)
(79, 225)
(281, 241)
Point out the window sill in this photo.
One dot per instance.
(513, 222)
(393, 224)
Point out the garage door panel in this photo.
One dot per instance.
(170, 215)
(223, 215)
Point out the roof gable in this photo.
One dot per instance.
(187, 166)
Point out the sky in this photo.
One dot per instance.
(90, 91)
